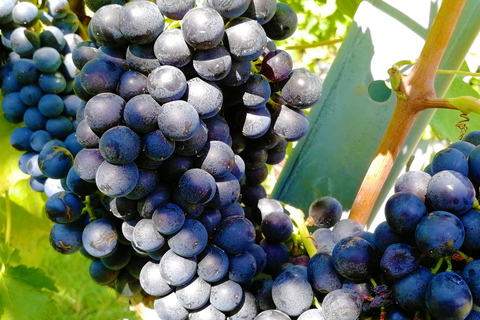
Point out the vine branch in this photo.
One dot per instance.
(416, 93)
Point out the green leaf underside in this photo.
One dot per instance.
(26, 293)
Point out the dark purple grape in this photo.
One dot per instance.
(385, 236)
(292, 293)
(168, 218)
(86, 164)
(205, 96)
(100, 274)
(399, 259)
(141, 58)
(238, 74)
(177, 270)
(131, 84)
(325, 211)
(212, 64)
(100, 75)
(245, 38)
(410, 290)
(448, 296)
(342, 304)
(302, 88)
(175, 9)
(190, 240)
(283, 23)
(25, 71)
(450, 159)
(156, 146)
(120, 145)
(178, 120)
(277, 227)
(235, 235)
(354, 258)
(116, 180)
(290, 124)
(194, 294)
(473, 137)
(471, 274)
(55, 162)
(195, 144)
(118, 259)
(217, 158)
(83, 52)
(197, 186)
(227, 191)
(277, 65)
(403, 211)
(141, 22)
(105, 25)
(226, 295)
(439, 234)
(104, 111)
(322, 275)
(471, 222)
(474, 165)
(64, 207)
(100, 238)
(151, 280)
(415, 182)
(146, 237)
(166, 83)
(171, 49)
(66, 238)
(450, 191)
(123, 208)
(24, 42)
(202, 28)
(168, 307)
(157, 198)
(276, 255)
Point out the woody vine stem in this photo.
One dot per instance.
(415, 93)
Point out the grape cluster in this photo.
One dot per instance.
(422, 262)
(37, 82)
(177, 111)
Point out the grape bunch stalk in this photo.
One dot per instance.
(153, 167)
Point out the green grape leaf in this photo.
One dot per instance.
(6, 252)
(348, 7)
(9, 171)
(26, 293)
(27, 221)
(444, 120)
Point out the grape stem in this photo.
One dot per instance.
(464, 256)
(418, 91)
(317, 303)
(438, 266)
(298, 218)
(449, 264)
